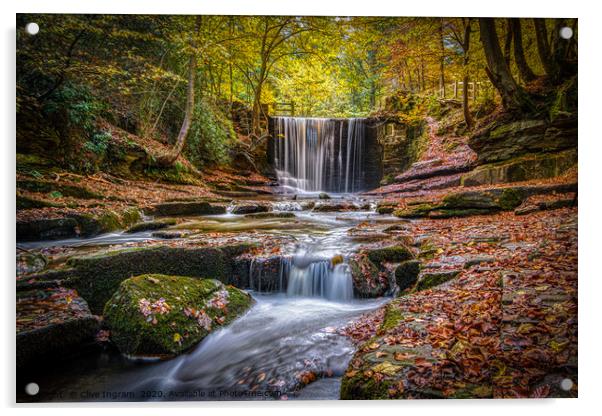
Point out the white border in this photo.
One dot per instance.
(590, 206)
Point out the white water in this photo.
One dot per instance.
(317, 154)
(321, 279)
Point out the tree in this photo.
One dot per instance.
(513, 96)
(463, 40)
(524, 70)
(171, 157)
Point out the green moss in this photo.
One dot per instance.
(415, 211)
(173, 329)
(406, 274)
(429, 280)
(392, 317)
(97, 277)
(510, 199)
(25, 202)
(392, 254)
(360, 387)
(451, 213)
(62, 189)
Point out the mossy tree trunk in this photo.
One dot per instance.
(513, 96)
(525, 72)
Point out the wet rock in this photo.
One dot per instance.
(251, 208)
(89, 225)
(529, 208)
(46, 229)
(368, 282)
(160, 315)
(151, 225)
(271, 215)
(406, 274)
(51, 324)
(432, 279)
(171, 234)
(307, 205)
(268, 274)
(186, 208)
(96, 277)
(336, 207)
(323, 195)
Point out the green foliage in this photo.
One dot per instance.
(80, 106)
(210, 136)
(98, 143)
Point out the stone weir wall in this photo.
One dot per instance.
(389, 148)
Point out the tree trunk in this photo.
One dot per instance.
(170, 158)
(543, 48)
(525, 72)
(513, 96)
(441, 59)
(465, 78)
(508, 42)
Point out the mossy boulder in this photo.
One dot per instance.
(96, 277)
(93, 224)
(177, 208)
(406, 274)
(162, 315)
(391, 254)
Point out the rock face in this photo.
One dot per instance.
(166, 315)
(186, 208)
(98, 276)
(461, 204)
(505, 141)
(51, 323)
(540, 166)
(76, 225)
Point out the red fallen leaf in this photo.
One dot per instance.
(541, 392)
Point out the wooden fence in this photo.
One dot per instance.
(279, 109)
(455, 90)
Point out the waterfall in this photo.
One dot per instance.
(320, 279)
(319, 154)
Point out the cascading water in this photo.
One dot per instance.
(319, 154)
(320, 279)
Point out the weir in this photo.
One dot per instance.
(322, 154)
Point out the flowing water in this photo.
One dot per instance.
(319, 154)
